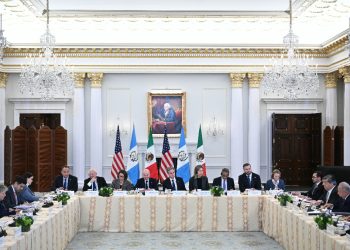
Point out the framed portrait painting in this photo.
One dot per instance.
(167, 108)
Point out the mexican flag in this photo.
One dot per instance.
(200, 157)
(151, 163)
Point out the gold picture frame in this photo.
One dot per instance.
(167, 107)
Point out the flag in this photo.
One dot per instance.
(117, 162)
(151, 163)
(167, 160)
(133, 161)
(200, 157)
(183, 163)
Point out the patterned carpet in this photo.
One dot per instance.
(182, 240)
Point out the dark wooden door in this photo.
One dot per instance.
(39, 120)
(296, 146)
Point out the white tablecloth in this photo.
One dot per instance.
(167, 213)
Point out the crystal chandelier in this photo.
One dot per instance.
(290, 77)
(214, 128)
(3, 41)
(47, 75)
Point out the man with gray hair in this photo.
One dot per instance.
(94, 182)
(4, 211)
(344, 193)
(330, 198)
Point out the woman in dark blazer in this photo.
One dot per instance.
(275, 182)
(198, 180)
(122, 183)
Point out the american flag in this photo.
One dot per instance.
(118, 162)
(167, 159)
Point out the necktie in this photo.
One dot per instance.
(249, 183)
(225, 186)
(173, 185)
(14, 193)
(65, 184)
(94, 186)
(146, 186)
(328, 194)
(314, 188)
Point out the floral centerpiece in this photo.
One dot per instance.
(217, 191)
(322, 220)
(63, 197)
(284, 198)
(25, 222)
(105, 191)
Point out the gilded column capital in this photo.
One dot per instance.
(79, 79)
(331, 79)
(255, 79)
(3, 79)
(237, 79)
(345, 72)
(96, 79)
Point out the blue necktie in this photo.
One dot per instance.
(173, 185)
(65, 183)
(94, 186)
(249, 182)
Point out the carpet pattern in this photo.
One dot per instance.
(181, 240)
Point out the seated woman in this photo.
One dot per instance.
(122, 183)
(27, 195)
(198, 180)
(4, 211)
(275, 183)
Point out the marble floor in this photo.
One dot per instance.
(181, 240)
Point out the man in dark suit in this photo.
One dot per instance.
(146, 182)
(65, 181)
(224, 180)
(330, 198)
(173, 182)
(12, 198)
(344, 193)
(317, 189)
(94, 182)
(4, 211)
(249, 180)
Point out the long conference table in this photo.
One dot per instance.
(54, 228)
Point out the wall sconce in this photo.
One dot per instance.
(122, 128)
(214, 128)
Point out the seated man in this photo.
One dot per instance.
(249, 180)
(4, 211)
(146, 182)
(330, 198)
(344, 193)
(12, 198)
(173, 182)
(317, 189)
(224, 180)
(65, 181)
(94, 182)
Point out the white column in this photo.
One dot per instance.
(237, 124)
(254, 121)
(79, 127)
(346, 74)
(96, 122)
(3, 80)
(331, 99)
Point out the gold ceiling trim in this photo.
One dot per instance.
(326, 51)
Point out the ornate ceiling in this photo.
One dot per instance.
(160, 23)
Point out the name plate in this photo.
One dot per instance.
(120, 193)
(151, 193)
(233, 193)
(179, 193)
(204, 193)
(275, 192)
(254, 192)
(91, 193)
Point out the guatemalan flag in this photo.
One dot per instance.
(133, 161)
(183, 163)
